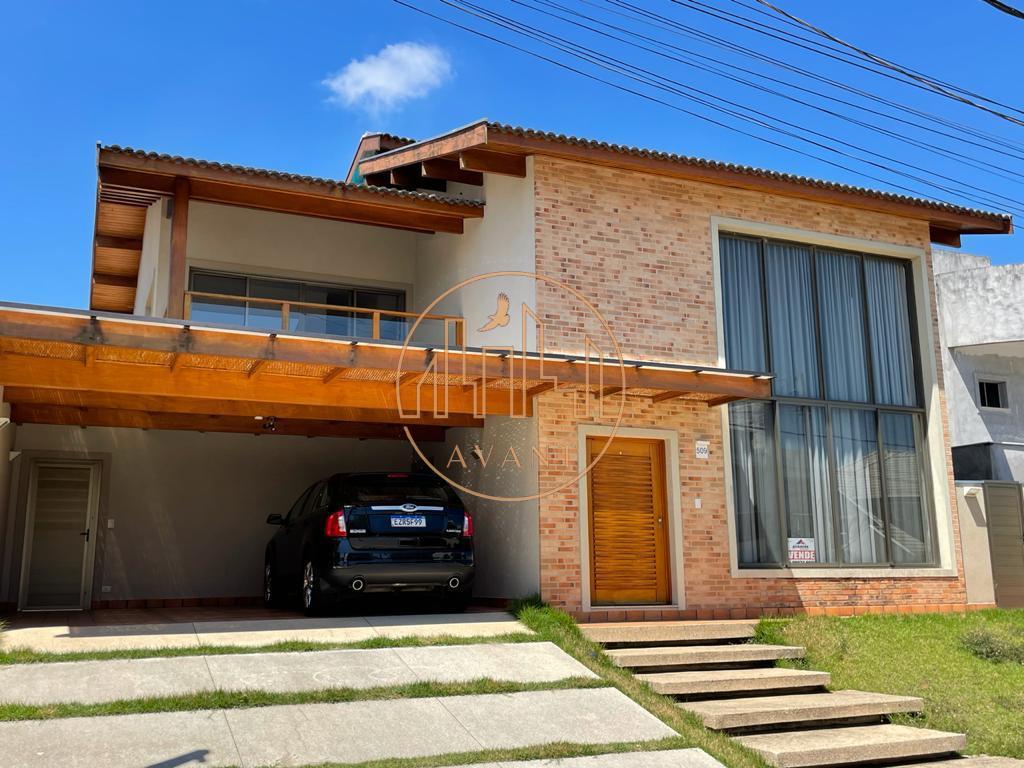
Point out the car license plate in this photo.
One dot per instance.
(409, 521)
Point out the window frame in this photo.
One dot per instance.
(1004, 391)
(399, 293)
(828, 405)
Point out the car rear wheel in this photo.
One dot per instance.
(311, 597)
(270, 597)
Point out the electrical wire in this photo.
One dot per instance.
(1005, 8)
(651, 80)
(639, 74)
(948, 153)
(665, 23)
(916, 78)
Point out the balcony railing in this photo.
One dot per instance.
(331, 319)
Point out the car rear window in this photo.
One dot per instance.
(379, 490)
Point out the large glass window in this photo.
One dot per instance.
(235, 310)
(831, 471)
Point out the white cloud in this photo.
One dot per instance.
(384, 80)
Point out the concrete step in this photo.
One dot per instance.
(846, 746)
(726, 714)
(711, 682)
(690, 655)
(975, 761)
(649, 632)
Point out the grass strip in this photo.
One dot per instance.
(20, 655)
(961, 664)
(238, 699)
(556, 750)
(559, 628)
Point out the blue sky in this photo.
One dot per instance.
(243, 82)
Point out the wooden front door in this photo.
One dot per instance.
(629, 562)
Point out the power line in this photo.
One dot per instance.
(950, 154)
(941, 87)
(651, 79)
(792, 130)
(1005, 8)
(662, 22)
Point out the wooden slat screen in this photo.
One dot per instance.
(628, 525)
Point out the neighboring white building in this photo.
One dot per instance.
(981, 326)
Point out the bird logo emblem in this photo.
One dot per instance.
(500, 317)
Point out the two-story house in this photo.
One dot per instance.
(761, 428)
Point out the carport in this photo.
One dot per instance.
(148, 452)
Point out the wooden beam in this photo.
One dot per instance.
(485, 161)
(540, 388)
(179, 243)
(247, 408)
(449, 170)
(255, 367)
(215, 385)
(130, 337)
(608, 392)
(721, 400)
(663, 396)
(158, 174)
(125, 419)
(122, 243)
(942, 236)
(410, 177)
(464, 138)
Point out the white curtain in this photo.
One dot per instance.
(806, 487)
(854, 440)
(752, 439)
(908, 522)
(841, 307)
(743, 304)
(791, 320)
(889, 322)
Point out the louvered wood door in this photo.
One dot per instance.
(628, 523)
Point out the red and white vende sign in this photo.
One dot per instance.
(802, 550)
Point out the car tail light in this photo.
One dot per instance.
(467, 525)
(335, 527)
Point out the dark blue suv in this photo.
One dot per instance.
(357, 533)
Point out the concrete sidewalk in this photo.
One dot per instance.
(93, 682)
(255, 632)
(669, 758)
(310, 734)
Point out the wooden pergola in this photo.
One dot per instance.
(83, 368)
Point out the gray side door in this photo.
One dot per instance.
(1006, 541)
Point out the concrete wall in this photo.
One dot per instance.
(188, 508)
(300, 247)
(7, 431)
(501, 241)
(507, 533)
(974, 540)
(981, 304)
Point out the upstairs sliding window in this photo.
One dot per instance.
(831, 470)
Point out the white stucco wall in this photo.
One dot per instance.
(507, 532)
(503, 240)
(7, 434)
(974, 541)
(981, 304)
(300, 247)
(189, 509)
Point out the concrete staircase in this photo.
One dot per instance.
(787, 716)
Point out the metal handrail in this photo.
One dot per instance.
(286, 307)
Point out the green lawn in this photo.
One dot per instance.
(969, 669)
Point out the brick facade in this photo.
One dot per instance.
(640, 247)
